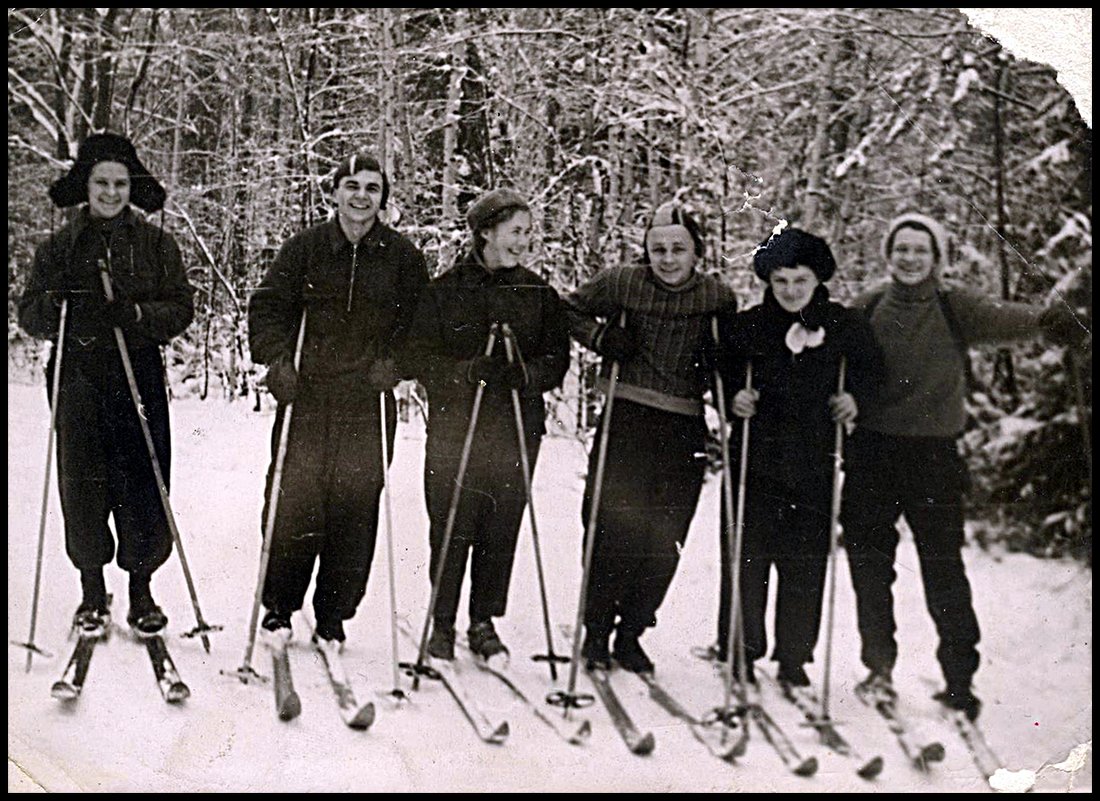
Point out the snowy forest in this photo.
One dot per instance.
(832, 119)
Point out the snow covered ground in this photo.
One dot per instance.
(1035, 679)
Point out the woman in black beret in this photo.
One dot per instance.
(795, 341)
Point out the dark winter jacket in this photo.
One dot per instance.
(452, 326)
(145, 267)
(359, 297)
(669, 324)
(792, 434)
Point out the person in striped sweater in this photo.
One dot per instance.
(654, 320)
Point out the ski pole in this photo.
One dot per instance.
(452, 513)
(728, 529)
(834, 532)
(735, 645)
(202, 628)
(246, 671)
(55, 382)
(511, 349)
(397, 692)
(570, 698)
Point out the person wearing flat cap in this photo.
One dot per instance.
(904, 458)
(795, 341)
(654, 320)
(328, 319)
(488, 288)
(104, 467)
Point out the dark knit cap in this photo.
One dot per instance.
(357, 162)
(793, 247)
(491, 204)
(673, 213)
(72, 189)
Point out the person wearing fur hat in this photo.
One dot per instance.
(353, 283)
(104, 467)
(487, 287)
(903, 457)
(654, 320)
(795, 341)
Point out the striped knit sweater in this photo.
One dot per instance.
(669, 323)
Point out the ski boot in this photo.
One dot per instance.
(878, 686)
(961, 699)
(596, 650)
(792, 675)
(486, 644)
(276, 628)
(629, 653)
(441, 643)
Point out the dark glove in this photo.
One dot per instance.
(616, 343)
(497, 373)
(120, 312)
(382, 375)
(710, 356)
(282, 379)
(1061, 326)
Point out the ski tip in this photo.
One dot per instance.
(807, 768)
(872, 769)
(500, 733)
(363, 718)
(582, 734)
(63, 691)
(178, 693)
(291, 707)
(643, 745)
(933, 752)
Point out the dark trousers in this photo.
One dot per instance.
(328, 499)
(788, 528)
(924, 479)
(103, 462)
(652, 478)
(487, 520)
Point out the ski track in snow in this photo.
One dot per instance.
(1035, 678)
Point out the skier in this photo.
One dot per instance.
(353, 282)
(488, 286)
(656, 450)
(104, 466)
(903, 457)
(795, 341)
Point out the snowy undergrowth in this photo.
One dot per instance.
(1035, 677)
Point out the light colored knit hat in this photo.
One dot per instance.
(910, 219)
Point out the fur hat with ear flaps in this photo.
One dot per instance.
(72, 188)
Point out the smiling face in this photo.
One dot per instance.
(108, 189)
(359, 197)
(793, 287)
(912, 256)
(506, 243)
(671, 252)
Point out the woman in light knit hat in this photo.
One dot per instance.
(904, 459)
(655, 458)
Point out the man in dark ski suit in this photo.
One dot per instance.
(354, 284)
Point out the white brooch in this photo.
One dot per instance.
(799, 337)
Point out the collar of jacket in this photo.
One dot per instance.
(473, 272)
(375, 237)
(83, 219)
(688, 283)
